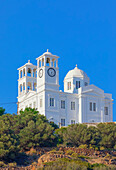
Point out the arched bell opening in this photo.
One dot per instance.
(39, 63)
(24, 72)
(29, 72)
(29, 86)
(34, 72)
(42, 61)
(21, 74)
(34, 86)
(23, 86)
(48, 62)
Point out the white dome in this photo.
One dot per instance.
(76, 73)
(48, 53)
(28, 63)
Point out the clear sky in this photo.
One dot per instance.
(81, 32)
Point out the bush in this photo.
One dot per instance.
(13, 165)
(36, 130)
(108, 134)
(2, 164)
(66, 164)
(60, 134)
(102, 148)
(79, 134)
(8, 139)
(69, 152)
(83, 146)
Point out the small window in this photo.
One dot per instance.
(72, 105)
(94, 106)
(72, 122)
(62, 104)
(52, 102)
(78, 84)
(106, 110)
(90, 106)
(69, 86)
(62, 122)
(40, 102)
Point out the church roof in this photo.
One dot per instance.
(75, 73)
(27, 64)
(47, 52)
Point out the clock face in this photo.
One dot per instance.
(51, 72)
(40, 73)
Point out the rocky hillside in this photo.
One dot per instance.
(64, 158)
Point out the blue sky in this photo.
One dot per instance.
(81, 32)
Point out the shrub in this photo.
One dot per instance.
(115, 147)
(102, 148)
(13, 165)
(69, 152)
(8, 139)
(108, 156)
(79, 134)
(108, 134)
(83, 146)
(2, 164)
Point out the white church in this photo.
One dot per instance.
(38, 87)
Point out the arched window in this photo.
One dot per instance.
(42, 61)
(29, 86)
(24, 72)
(48, 62)
(21, 89)
(23, 86)
(34, 87)
(29, 72)
(39, 63)
(54, 63)
(21, 74)
(34, 72)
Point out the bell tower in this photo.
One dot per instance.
(27, 79)
(47, 72)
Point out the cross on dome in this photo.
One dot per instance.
(28, 61)
(76, 65)
(47, 50)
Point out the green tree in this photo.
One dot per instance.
(108, 134)
(60, 134)
(79, 134)
(34, 130)
(8, 140)
(2, 111)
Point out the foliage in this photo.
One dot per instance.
(2, 111)
(24, 131)
(79, 134)
(36, 131)
(68, 164)
(8, 140)
(83, 146)
(30, 130)
(108, 134)
(60, 134)
(54, 125)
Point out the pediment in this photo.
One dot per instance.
(93, 93)
(93, 90)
